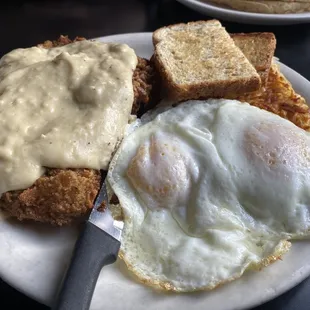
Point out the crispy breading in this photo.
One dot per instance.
(143, 78)
(61, 41)
(279, 97)
(62, 196)
(58, 197)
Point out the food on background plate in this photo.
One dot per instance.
(265, 6)
(71, 104)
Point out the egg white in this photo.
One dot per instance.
(208, 190)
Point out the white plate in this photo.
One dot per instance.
(224, 13)
(33, 258)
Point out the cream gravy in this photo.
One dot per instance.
(64, 107)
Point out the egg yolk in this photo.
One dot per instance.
(159, 174)
(276, 146)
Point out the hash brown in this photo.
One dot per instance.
(279, 97)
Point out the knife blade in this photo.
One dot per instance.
(101, 215)
(97, 246)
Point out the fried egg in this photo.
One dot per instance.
(208, 190)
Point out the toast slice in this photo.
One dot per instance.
(259, 48)
(200, 60)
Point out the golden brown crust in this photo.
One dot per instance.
(59, 197)
(279, 97)
(143, 78)
(283, 248)
(61, 41)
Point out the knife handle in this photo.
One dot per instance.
(93, 250)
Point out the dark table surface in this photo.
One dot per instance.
(23, 24)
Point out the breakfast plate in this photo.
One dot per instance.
(34, 257)
(225, 13)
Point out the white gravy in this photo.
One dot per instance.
(64, 107)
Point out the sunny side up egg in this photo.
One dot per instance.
(208, 190)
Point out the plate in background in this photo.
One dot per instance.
(224, 13)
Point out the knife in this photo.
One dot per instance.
(96, 247)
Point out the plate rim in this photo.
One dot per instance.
(246, 17)
(291, 284)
